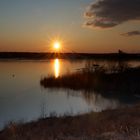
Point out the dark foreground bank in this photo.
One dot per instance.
(120, 124)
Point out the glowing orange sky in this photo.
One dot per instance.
(30, 25)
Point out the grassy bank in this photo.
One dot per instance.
(121, 80)
(120, 124)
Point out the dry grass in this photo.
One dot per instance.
(116, 124)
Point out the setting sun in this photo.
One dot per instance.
(56, 45)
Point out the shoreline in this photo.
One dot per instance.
(46, 55)
(118, 124)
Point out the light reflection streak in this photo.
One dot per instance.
(56, 68)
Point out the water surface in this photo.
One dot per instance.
(23, 99)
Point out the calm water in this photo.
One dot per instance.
(23, 99)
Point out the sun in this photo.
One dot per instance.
(57, 45)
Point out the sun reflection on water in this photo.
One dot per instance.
(56, 68)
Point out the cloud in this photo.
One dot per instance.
(132, 33)
(110, 13)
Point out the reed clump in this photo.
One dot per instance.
(121, 78)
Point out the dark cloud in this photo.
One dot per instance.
(132, 33)
(109, 13)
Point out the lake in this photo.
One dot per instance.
(22, 98)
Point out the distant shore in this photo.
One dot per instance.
(45, 55)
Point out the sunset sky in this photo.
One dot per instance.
(82, 25)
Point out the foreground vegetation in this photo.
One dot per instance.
(118, 79)
(120, 124)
